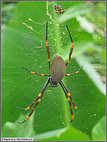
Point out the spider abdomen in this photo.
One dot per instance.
(57, 69)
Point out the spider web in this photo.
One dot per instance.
(30, 51)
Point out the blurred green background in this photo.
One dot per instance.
(23, 44)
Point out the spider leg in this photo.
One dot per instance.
(30, 105)
(30, 113)
(38, 100)
(70, 74)
(68, 101)
(71, 46)
(36, 73)
(69, 95)
(47, 45)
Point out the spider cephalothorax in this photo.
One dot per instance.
(58, 71)
(53, 83)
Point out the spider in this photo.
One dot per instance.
(58, 9)
(57, 72)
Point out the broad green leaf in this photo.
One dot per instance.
(13, 129)
(99, 130)
(50, 134)
(16, 54)
(65, 134)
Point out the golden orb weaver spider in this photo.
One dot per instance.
(57, 72)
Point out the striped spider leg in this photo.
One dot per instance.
(36, 101)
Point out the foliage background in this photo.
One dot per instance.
(21, 46)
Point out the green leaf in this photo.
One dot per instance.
(50, 134)
(65, 134)
(99, 130)
(13, 129)
(18, 82)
